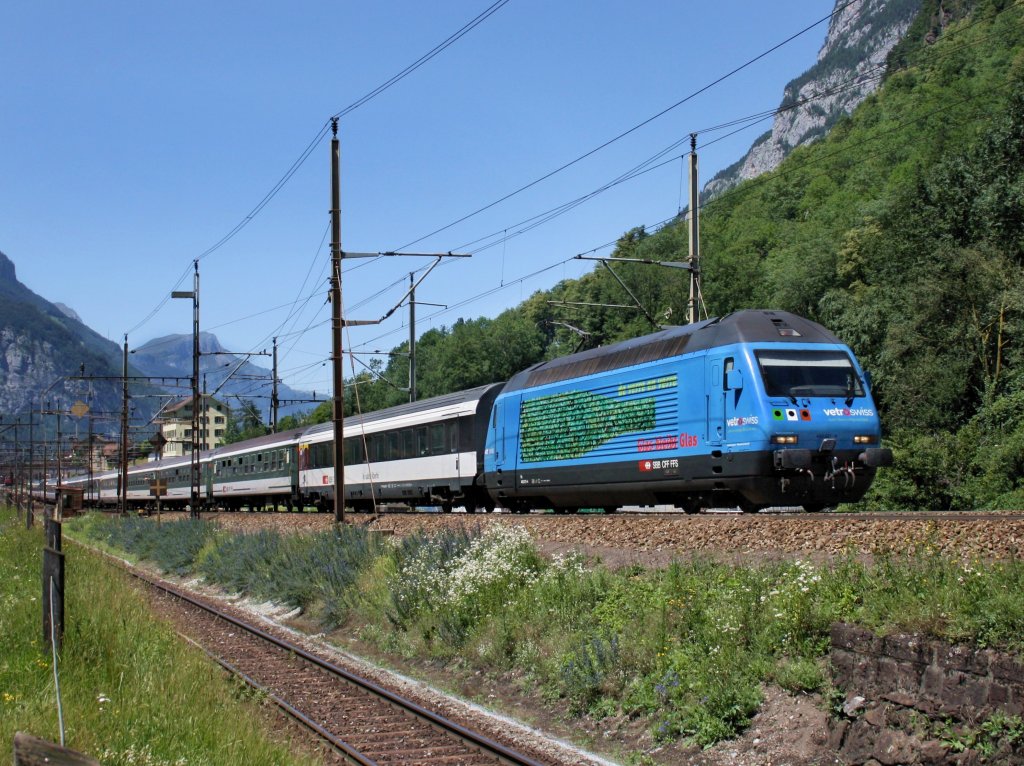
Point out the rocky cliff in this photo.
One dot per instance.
(40, 343)
(850, 66)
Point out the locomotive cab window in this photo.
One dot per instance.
(809, 373)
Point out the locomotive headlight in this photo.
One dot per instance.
(783, 439)
(865, 439)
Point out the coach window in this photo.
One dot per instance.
(453, 436)
(408, 444)
(393, 451)
(437, 439)
(421, 441)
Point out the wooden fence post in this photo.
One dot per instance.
(32, 751)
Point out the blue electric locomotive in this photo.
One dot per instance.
(756, 409)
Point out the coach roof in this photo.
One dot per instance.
(447, 402)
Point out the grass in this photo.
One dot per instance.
(132, 691)
(687, 648)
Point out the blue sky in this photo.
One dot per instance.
(136, 135)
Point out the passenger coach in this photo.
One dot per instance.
(426, 453)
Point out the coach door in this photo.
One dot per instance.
(715, 391)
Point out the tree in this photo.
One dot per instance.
(244, 422)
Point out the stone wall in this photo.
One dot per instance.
(911, 701)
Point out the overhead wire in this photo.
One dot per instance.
(631, 130)
(544, 217)
(745, 123)
(857, 79)
(454, 37)
(754, 183)
(315, 141)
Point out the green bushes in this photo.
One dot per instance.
(687, 648)
(173, 547)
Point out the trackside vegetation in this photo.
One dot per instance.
(132, 691)
(687, 648)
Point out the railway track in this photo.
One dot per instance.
(361, 721)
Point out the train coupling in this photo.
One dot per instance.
(792, 458)
(801, 459)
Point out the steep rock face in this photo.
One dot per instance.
(850, 67)
(7, 271)
(40, 343)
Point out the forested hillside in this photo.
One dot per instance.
(902, 231)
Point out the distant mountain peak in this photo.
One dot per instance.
(7, 270)
(232, 375)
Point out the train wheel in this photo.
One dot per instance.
(690, 506)
(748, 507)
(446, 506)
(814, 507)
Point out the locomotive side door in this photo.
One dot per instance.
(715, 391)
(502, 441)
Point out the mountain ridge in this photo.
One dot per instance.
(223, 374)
(849, 67)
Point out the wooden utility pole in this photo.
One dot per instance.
(122, 499)
(196, 401)
(336, 323)
(412, 338)
(694, 259)
(274, 401)
(31, 463)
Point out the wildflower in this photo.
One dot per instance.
(8, 697)
(102, 698)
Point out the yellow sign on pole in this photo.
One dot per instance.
(79, 409)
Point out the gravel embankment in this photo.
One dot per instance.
(658, 539)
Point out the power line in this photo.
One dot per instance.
(754, 183)
(633, 129)
(469, 26)
(321, 133)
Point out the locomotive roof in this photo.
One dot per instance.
(754, 325)
(401, 410)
